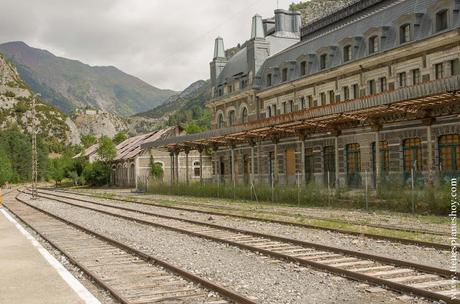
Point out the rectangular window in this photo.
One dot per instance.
(383, 84)
(310, 102)
(416, 76)
(405, 33)
(439, 70)
(291, 105)
(331, 96)
(347, 53)
(346, 93)
(303, 68)
(322, 98)
(373, 44)
(285, 75)
(269, 79)
(402, 79)
(284, 107)
(441, 20)
(355, 91)
(372, 87)
(323, 61)
(302, 102)
(455, 67)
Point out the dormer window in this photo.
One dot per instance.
(374, 46)
(284, 75)
(323, 61)
(303, 68)
(269, 80)
(405, 33)
(442, 20)
(347, 53)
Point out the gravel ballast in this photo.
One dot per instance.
(269, 280)
(412, 253)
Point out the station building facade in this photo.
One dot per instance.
(373, 87)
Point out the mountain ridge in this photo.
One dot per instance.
(69, 84)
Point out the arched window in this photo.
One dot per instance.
(449, 153)
(196, 169)
(412, 155)
(231, 118)
(220, 120)
(244, 115)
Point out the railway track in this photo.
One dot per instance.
(285, 222)
(421, 280)
(131, 276)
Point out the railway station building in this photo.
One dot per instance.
(131, 166)
(373, 87)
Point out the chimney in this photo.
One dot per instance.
(257, 29)
(219, 51)
(287, 21)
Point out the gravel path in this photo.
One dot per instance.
(388, 219)
(412, 253)
(269, 280)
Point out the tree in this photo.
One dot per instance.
(60, 168)
(56, 171)
(192, 128)
(120, 137)
(156, 170)
(6, 170)
(88, 140)
(107, 149)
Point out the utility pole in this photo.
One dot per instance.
(34, 150)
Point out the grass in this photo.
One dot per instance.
(390, 196)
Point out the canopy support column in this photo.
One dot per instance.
(187, 175)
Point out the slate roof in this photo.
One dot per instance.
(381, 14)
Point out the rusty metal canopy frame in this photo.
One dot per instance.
(415, 100)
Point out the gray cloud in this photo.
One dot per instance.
(166, 43)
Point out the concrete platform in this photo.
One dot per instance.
(30, 274)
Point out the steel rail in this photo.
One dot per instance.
(281, 222)
(355, 223)
(342, 272)
(225, 292)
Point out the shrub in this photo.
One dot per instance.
(97, 173)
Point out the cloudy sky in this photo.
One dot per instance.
(167, 43)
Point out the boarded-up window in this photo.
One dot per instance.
(290, 162)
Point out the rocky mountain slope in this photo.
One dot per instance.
(15, 110)
(69, 84)
(109, 124)
(194, 94)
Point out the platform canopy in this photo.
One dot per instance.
(418, 100)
